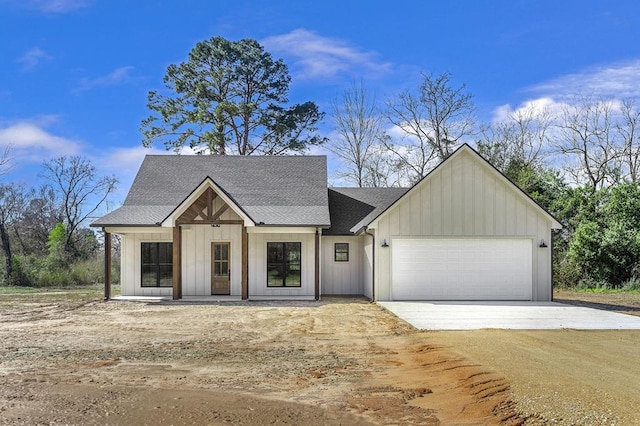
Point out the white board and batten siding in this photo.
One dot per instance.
(131, 251)
(463, 199)
(196, 253)
(342, 278)
(258, 239)
(196, 256)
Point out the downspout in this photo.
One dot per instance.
(373, 263)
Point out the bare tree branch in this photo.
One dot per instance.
(586, 135)
(435, 122)
(81, 191)
(360, 134)
(628, 130)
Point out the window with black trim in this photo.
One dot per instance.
(284, 264)
(341, 252)
(157, 265)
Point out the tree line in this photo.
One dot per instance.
(44, 232)
(579, 159)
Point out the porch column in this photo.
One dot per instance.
(177, 262)
(107, 265)
(317, 277)
(245, 263)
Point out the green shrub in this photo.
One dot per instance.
(52, 278)
(38, 271)
(632, 285)
(590, 283)
(565, 274)
(87, 272)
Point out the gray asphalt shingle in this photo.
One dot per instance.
(353, 208)
(275, 190)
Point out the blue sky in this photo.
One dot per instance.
(75, 73)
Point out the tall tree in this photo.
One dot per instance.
(230, 97)
(586, 134)
(40, 216)
(628, 130)
(605, 247)
(383, 169)
(435, 120)
(81, 193)
(360, 131)
(518, 138)
(515, 145)
(12, 201)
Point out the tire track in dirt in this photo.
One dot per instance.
(428, 384)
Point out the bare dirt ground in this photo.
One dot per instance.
(71, 359)
(572, 377)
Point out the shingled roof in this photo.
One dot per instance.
(274, 190)
(353, 208)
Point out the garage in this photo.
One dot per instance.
(463, 232)
(461, 269)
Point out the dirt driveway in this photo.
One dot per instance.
(342, 361)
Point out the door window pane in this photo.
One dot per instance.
(220, 259)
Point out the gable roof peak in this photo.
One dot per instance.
(465, 147)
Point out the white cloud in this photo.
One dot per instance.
(30, 142)
(323, 57)
(32, 58)
(58, 6)
(124, 162)
(116, 77)
(617, 80)
(49, 6)
(535, 107)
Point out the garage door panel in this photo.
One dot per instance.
(461, 269)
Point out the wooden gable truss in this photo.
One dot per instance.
(202, 212)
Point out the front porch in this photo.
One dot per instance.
(194, 268)
(203, 249)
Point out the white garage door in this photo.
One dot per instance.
(461, 269)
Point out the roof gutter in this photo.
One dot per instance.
(373, 262)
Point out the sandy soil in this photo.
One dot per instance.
(66, 360)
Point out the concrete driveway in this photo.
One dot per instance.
(508, 315)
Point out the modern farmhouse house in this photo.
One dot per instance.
(269, 227)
